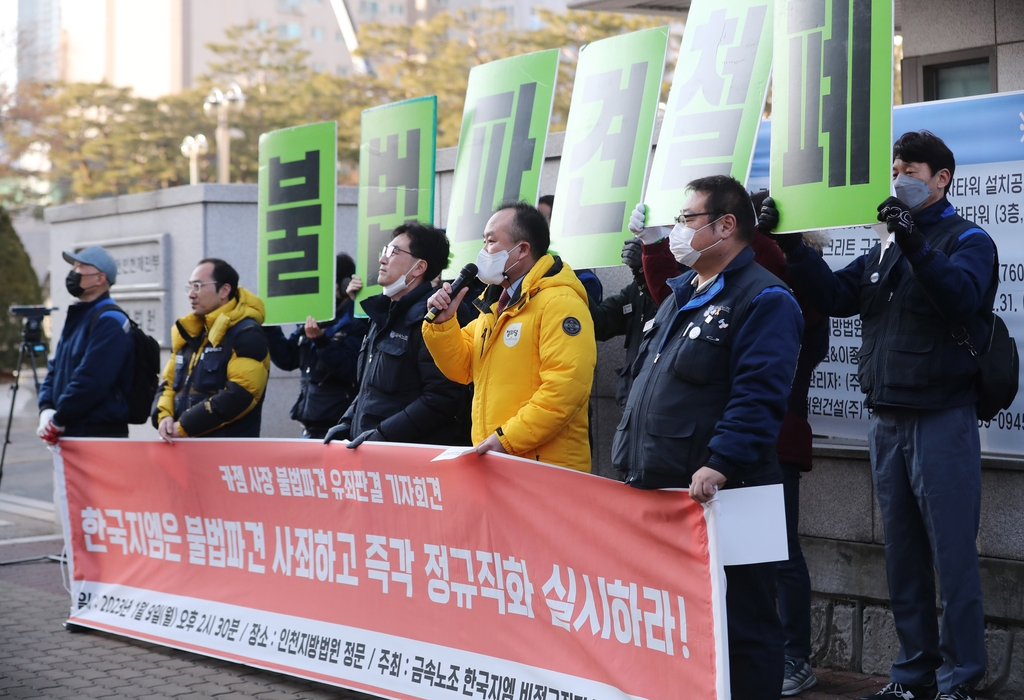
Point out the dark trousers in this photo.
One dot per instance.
(794, 583)
(927, 472)
(755, 633)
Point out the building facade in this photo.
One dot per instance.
(159, 47)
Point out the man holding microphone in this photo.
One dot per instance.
(531, 352)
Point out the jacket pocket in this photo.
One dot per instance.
(909, 361)
(386, 366)
(701, 360)
(669, 443)
(180, 372)
(210, 372)
(620, 442)
(866, 367)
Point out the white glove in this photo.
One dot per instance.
(48, 430)
(649, 235)
(45, 416)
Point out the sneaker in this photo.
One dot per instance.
(961, 692)
(797, 676)
(899, 691)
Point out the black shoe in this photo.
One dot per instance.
(899, 691)
(961, 692)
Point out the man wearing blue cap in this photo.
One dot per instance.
(90, 375)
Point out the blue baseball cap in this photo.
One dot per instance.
(97, 257)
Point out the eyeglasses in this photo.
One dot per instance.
(390, 249)
(196, 286)
(684, 219)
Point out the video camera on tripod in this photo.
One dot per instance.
(31, 344)
(32, 324)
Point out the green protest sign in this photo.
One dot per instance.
(607, 144)
(501, 147)
(397, 147)
(716, 101)
(831, 149)
(297, 201)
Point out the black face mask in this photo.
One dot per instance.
(74, 284)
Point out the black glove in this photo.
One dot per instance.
(768, 219)
(342, 431)
(632, 254)
(371, 435)
(900, 223)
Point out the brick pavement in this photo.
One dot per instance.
(39, 659)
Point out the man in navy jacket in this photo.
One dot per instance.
(711, 381)
(935, 273)
(86, 388)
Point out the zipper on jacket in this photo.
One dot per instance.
(639, 410)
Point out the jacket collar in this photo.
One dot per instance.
(380, 309)
(219, 321)
(83, 306)
(548, 267)
(682, 286)
(934, 213)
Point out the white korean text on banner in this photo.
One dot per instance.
(380, 570)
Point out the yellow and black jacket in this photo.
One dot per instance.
(532, 367)
(214, 383)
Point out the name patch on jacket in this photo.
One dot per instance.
(513, 333)
(571, 326)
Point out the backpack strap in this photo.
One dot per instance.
(104, 307)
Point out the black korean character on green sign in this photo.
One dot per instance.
(712, 133)
(845, 59)
(388, 172)
(621, 105)
(490, 119)
(293, 182)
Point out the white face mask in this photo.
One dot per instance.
(401, 284)
(680, 241)
(491, 266)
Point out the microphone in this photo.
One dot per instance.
(464, 279)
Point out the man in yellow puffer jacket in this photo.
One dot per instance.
(531, 352)
(213, 385)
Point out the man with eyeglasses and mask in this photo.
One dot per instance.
(933, 273)
(214, 383)
(86, 388)
(711, 382)
(530, 354)
(403, 396)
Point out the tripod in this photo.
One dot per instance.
(30, 345)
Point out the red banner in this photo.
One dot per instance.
(380, 570)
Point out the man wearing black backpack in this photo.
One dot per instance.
(924, 295)
(86, 390)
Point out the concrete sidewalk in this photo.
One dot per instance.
(40, 659)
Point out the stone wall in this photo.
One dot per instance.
(843, 542)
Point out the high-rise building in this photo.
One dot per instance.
(38, 43)
(159, 47)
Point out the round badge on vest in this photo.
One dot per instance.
(694, 332)
(571, 326)
(874, 278)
